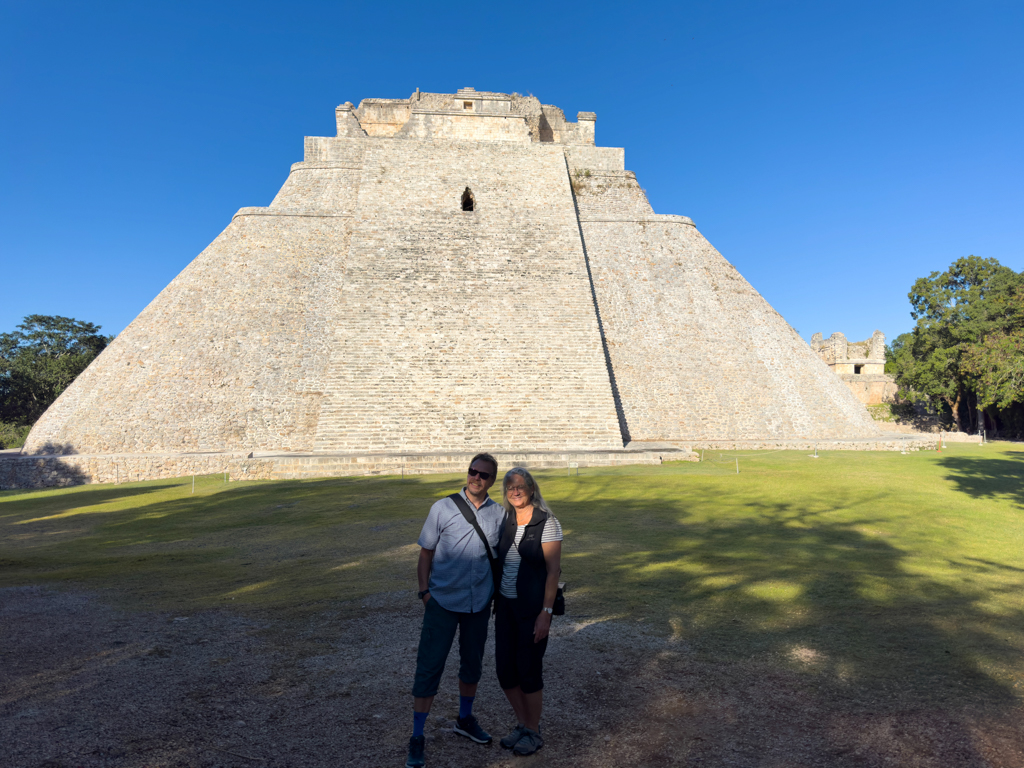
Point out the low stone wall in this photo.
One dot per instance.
(915, 442)
(934, 434)
(871, 389)
(959, 437)
(903, 429)
(17, 471)
(298, 467)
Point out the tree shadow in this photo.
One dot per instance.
(986, 476)
(789, 616)
(41, 469)
(23, 502)
(787, 581)
(51, 448)
(851, 630)
(286, 546)
(982, 565)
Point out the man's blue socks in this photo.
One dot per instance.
(419, 719)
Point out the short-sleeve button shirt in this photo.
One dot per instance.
(460, 573)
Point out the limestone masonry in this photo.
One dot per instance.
(859, 364)
(452, 272)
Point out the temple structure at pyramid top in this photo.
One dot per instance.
(453, 272)
(468, 115)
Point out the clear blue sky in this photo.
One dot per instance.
(833, 152)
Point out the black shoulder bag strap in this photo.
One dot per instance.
(470, 515)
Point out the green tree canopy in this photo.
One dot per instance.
(967, 320)
(39, 360)
(995, 367)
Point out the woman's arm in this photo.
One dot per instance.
(553, 560)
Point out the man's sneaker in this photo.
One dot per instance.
(517, 733)
(470, 728)
(528, 744)
(415, 759)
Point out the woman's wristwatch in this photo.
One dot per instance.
(421, 595)
(550, 610)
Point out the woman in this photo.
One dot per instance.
(530, 553)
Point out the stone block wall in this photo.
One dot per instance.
(283, 336)
(466, 328)
(871, 389)
(467, 126)
(444, 115)
(365, 311)
(604, 194)
(696, 352)
(326, 187)
(346, 151)
(858, 364)
(583, 158)
(383, 117)
(229, 356)
(63, 471)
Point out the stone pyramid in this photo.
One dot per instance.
(453, 272)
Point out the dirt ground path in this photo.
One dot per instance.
(85, 684)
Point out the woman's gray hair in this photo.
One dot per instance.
(535, 498)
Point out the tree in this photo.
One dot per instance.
(39, 360)
(996, 369)
(956, 310)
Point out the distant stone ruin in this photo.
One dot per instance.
(860, 364)
(449, 273)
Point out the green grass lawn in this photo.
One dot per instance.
(875, 569)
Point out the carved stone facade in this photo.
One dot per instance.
(860, 364)
(452, 272)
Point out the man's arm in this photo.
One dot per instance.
(430, 537)
(423, 571)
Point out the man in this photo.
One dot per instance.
(456, 586)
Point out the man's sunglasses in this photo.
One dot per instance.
(481, 475)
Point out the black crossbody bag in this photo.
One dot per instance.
(558, 609)
(470, 515)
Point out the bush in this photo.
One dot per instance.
(12, 436)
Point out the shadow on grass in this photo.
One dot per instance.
(811, 589)
(988, 477)
(814, 587)
(808, 621)
(293, 547)
(17, 502)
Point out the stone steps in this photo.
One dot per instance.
(465, 329)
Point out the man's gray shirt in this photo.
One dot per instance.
(460, 573)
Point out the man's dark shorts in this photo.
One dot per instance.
(436, 638)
